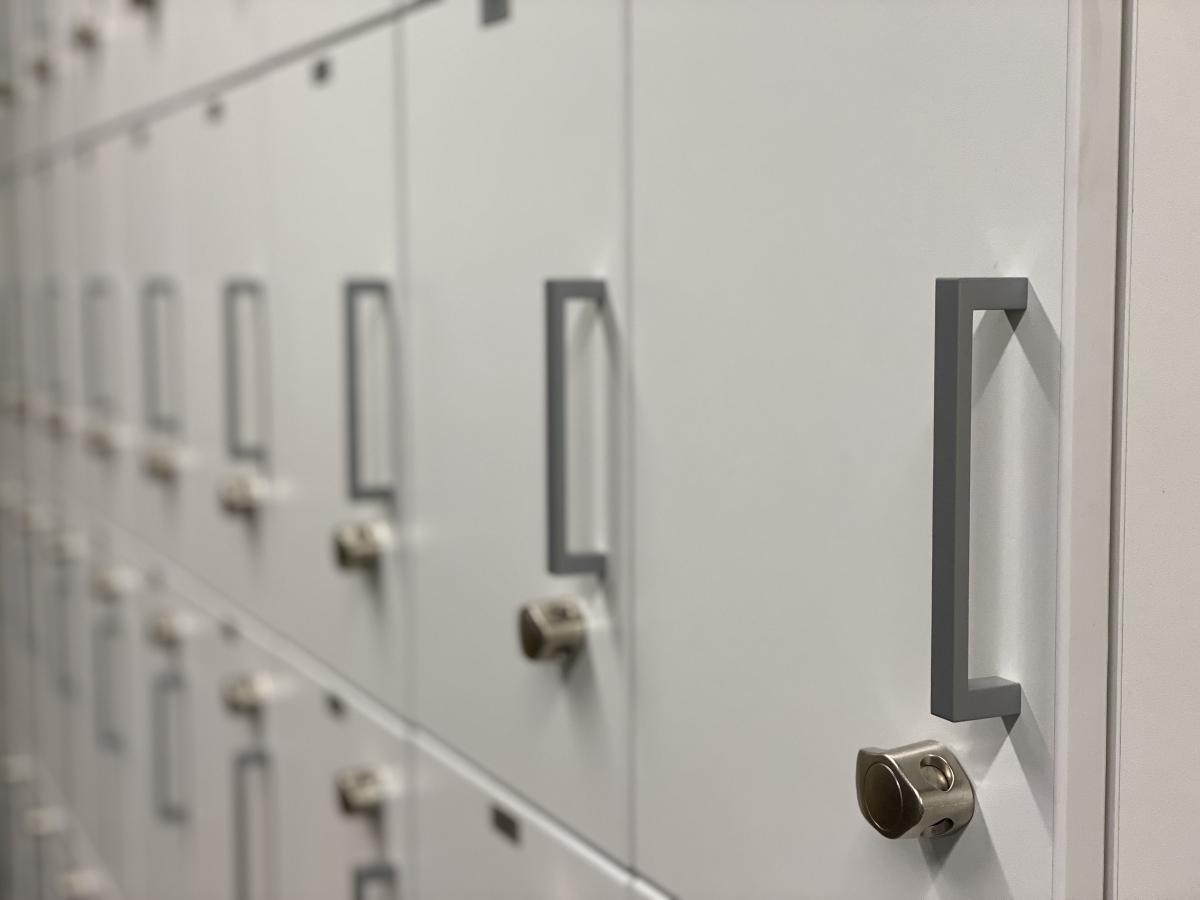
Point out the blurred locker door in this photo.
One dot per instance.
(513, 850)
(344, 799)
(515, 170)
(804, 173)
(338, 322)
(232, 313)
(121, 581)
(107, 330)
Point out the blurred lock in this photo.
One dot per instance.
(552, 629)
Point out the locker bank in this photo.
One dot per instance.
(599, 449)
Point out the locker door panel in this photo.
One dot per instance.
(515, 174)
(121, 578)
(513, 852)
(344, 798)
(233, 313)
(294, 22)
(335, 239)
(802, 176)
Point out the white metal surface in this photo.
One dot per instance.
(788, 241)
(514, 137)
(513, 851)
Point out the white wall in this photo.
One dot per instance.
(1155, 794)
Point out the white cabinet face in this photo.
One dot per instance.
(120, 581)
(343, 797)
(293, 22)
(230, 318)
(333, 220)
(802, 176)
(515, 174)
(108, 331)
(512, 852)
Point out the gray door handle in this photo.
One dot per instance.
(169, 808)
(953, 695)
(243, 764)
(241, 295)
(377, 874)
(560, 559)
(359, 486)
(104, 635)
(161, 355)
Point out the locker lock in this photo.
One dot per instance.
(918, 790)
(35, 520)
(116, 582)
(82, 884)
(167, 628)
(552, 629)
(8, 99)
(243, 493)
(249, 693)
(42, 68)
(100, 439)
(147, 6)
(163, 462)
(68, 546)
(16, 769)
(45, 821)
(364, 790)
(361, 545)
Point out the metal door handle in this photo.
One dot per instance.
(953, 695)
(379, 873)
(104, 633)
(160, 311)
(96, 352)
(359, 488)
(243, 764)
(560, 559)
(169, 809)
(237, 294)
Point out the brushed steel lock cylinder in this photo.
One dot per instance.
(552, 629)
(163, 462)
(16, 769)
(82, 884)
(361, 545)
(68, 547)
(85, 36)
(918, 790)
(243, 493)
(248, 694)
(100, 439)
(364, 790)
(45, 822)
(167, 628)
(116, 582)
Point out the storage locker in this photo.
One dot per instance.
(790, 236)
(476, 841)
(343, 799)
(120, 584)
(108, 333)
(188, 740)
(337, 324)
(515, 174)
(231, 494)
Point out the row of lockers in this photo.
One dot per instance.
(156, 747)
(602, 314)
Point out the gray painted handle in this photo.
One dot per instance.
(380, 873)
(96, 353)
(560, 559)
(168, 808)
(159, 298)
(104, 635)
(953, 695)
(358, 488)
(243, 763)
(240, 291)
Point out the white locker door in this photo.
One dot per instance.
(158, 306)
(515, 173)
(232, 313)
(803, 173)
(119, 584)
(343, 798)
(294, 22)
(478, 842)
(333, 162)
(187, 742)
(51, 587)
(107, 332)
